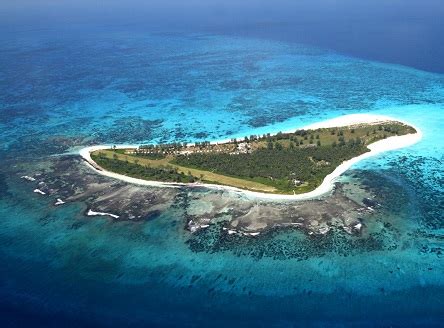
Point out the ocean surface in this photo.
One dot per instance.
(60, 268)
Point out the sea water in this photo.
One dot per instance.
(63, 269)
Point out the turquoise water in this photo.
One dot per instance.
(59, 266)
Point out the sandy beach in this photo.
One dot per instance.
(391, 143)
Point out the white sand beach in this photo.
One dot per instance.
(391, 143)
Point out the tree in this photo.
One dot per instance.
(318, 143)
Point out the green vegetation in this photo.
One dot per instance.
(146, 172)
(277, 167)
(284, 163)
(120, 163)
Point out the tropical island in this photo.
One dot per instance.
(285, 163)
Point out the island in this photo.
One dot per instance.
(285, 163)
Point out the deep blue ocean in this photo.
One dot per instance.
(63, 89)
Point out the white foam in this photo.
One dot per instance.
(254, 234)
(59, 202)
(92, 213)
(26, 177)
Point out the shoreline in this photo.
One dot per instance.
(391, 143)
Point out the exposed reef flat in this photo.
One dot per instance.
(67, 179)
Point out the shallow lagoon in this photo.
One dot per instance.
(59, 265)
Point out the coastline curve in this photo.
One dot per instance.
(327, 185)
